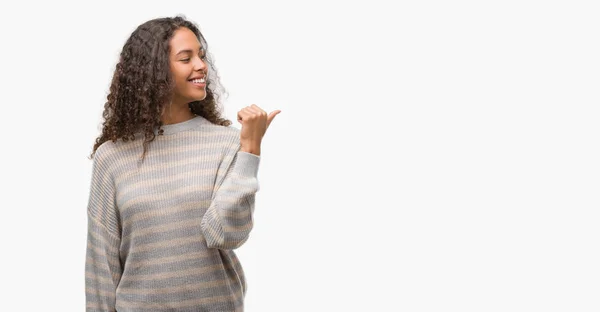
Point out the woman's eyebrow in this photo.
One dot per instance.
(188, 51)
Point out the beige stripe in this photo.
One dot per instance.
(182, 303)
(172, 289)
(214, 146)
(101, 194)
(94, 291)
(148, 183)
(161, 228)
(210, 225)
(171, 259)
(100, 306)
(168, 243)
(101, 252)
(100, 279)
(107, 220)
(137, 146)
(238, 228)
(167, 275)
(235, 262)
(101, 266)
(93, 263)
(114, 249)
(212, 236)
(222, 133)
(233, 201)
(235, 214)
(162, 167)
(231, 254)
(158, 214)
(236, 187)
(168, 194)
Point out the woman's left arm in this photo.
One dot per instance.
(229, 219)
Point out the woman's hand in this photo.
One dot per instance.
(254, 122)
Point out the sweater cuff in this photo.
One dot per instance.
(247, 164)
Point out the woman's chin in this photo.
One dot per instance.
(195, 98)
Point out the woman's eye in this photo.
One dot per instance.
(186, 60)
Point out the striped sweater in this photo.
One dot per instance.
(161, 232)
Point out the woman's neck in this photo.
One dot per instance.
(173, 114)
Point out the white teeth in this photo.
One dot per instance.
(201, 80)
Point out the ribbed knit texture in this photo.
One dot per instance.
(161, 232)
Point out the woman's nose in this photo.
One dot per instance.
(199, 64)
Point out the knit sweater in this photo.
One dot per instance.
(161, 232)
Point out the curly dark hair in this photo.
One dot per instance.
(142, 84)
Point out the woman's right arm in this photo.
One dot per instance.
(102, 265)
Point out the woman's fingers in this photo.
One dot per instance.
(255, 112)
(242, 115)
(271, 116)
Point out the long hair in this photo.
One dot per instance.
(142, 85)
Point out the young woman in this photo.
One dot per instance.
(173, 185)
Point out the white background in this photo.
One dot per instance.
(429, 156)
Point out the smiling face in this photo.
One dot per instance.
(188, 67)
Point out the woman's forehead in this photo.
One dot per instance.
(184, 40)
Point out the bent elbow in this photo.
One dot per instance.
(231, 240)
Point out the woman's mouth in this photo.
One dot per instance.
(199, 82)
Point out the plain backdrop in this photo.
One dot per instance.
(429, 156)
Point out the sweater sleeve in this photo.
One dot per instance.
(229, 219)
(102, 265)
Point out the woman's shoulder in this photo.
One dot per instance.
(111, 151)
(104, 150)
(225, 133)
(207, 125)
(104, 153)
